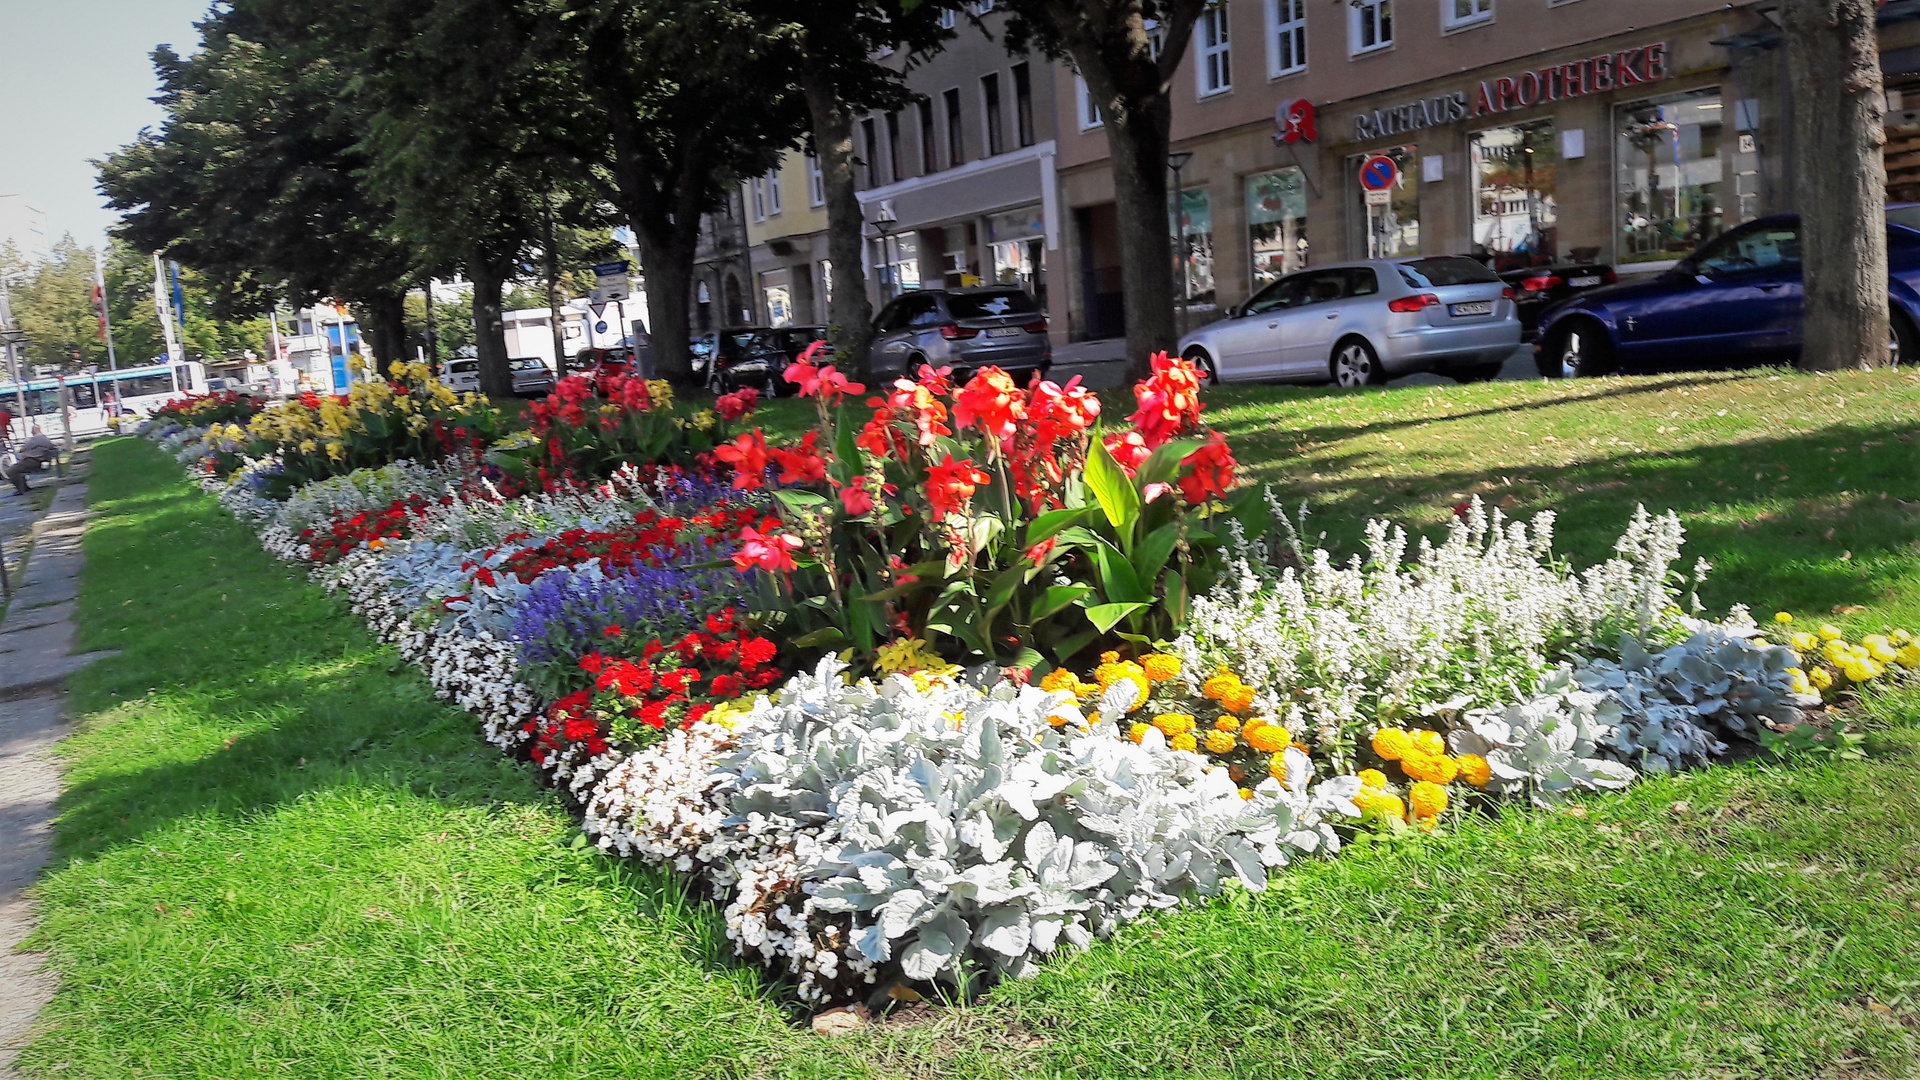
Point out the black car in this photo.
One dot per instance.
(738, 356)
(1536, 288)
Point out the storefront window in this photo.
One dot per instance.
(1194, 210)
(1669, 183)
(898, 257)
(1277, 223)
(1014, 239)
(779, 305)
(1514, 207)
(1392, 221)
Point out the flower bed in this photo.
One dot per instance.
(960, 679)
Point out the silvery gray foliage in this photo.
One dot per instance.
(1677, 705)
(961, 831)
(1548, 745)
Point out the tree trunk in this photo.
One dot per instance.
(668, 262)
(489, 330)
(386, 319)
(850, 311)
(1840, 181)
(553, 286)
(1137, 143)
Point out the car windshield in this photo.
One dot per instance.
(987, 305)
(528, 363)
(464, 365)
(1444, 270)
(1907, 214)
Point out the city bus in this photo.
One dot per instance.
(95, 395)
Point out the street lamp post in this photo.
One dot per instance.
(1177, 161)
(884, 219)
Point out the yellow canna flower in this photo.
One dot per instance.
(1820, 678)
(1782, 617)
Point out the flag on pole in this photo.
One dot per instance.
(163, 309)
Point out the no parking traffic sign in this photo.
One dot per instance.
(1378, 173)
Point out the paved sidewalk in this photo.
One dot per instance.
(36, 640)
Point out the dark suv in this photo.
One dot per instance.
(965, 329)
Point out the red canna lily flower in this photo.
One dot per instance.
(748, 456)
(1212, 471)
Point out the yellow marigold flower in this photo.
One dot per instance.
(1881, 649)
(1474, 769)
(1431, 768)
(1899, 637)
(1221, 742)
(1109, 657)
(1427, 799)
(1171, 724)
(1804, 641)
(1373, 778)
(1831, 632)
(1219, 684)
(1782, 617)
(1114, 671)
(1429, 742)
(1379, 804)
(1277, 765)
(1820, 677)
(1266, 738)
(1227, 723)
(1061, 679)
(1159, 666)
(1139, 731)
(1246, 793)
(1908, 656)
(1058, 719)
(1237, 699)
(1392, 743)
(1183, 741)
(1798, 681)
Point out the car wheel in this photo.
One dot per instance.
(1903, 344)
(1198, 357)
(1578, 349)
(1355, 364)
(716, 382)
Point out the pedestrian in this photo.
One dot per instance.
(6, 426)
(36, 454)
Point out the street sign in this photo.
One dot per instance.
(611, 282)
(1379, 198)
(1379, 173)
(610, 269)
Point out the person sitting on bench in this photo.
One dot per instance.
(37, 453)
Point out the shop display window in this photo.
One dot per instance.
(1193, 210)
(1277, 223)
(898, 257)
(1515, 207)
(1669, 183)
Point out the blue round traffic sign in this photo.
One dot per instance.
(1379, 173)
(600, 327)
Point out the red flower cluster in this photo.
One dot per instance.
(737, 405)
(676, 682)
(1169, 401)
(652, 540)
(344, 534)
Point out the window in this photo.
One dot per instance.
(990, 100)
(1023, 105)
(1455, 14)
(986, 305)
(894, 172)
(1192, 220)
(1442, 271)
(1089, 110)
(899, 261)
(949, 19)
(1277, 223)
(1514, 206)
(773, 193)
(1287, 48)
(1669, 182)
(1371, 25)
(758, 186)
(1215, 61)
(981, 7)
(956, 144)
(870, 145)
(1770, 250)
(929, 158)
(816, 184)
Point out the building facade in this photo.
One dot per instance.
(1517, 130)
(786, 216)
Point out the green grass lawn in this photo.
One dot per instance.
(279, 856)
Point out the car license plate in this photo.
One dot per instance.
(1587, 282)
(1477, 307)
(1005, 331)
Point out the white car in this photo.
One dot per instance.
(1363, 323)
(461, 376)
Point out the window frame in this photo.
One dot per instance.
(1214, 19)
(894, 175)
(870, 136)
(992, 116)
(1023, 129)
(1089, 116)
(1279, 29)
(773, 193)
(1356, 17)
(956, 128)
(1449, 22)
(816, 182)
(929, 138)
(756, 189)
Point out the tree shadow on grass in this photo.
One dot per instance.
(242, 690)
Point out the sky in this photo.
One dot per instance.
(76, 77)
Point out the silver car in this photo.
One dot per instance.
(531, 376)
(1363, 323)
(966, 329)
(461, 375)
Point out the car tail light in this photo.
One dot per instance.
(1543, 283)
(956, 332)
(1038, 326)
(1414, 303)
(1608, 277)
(1509, 293)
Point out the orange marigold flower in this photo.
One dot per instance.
(1474, 769)
(1392, 743)
(1221, 742)
(1266, 738)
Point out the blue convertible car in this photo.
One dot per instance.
(1735, 302)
